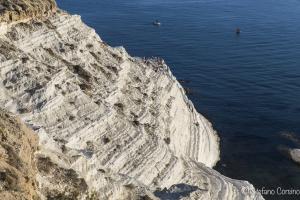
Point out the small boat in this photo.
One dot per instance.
(238, 31)
(156, 23)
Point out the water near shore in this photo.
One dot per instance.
(248, 86)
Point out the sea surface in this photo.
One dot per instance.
(247, 85)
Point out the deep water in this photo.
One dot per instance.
(248, 86)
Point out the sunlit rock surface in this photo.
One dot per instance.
(121, 125)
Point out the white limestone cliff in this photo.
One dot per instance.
(119, 122)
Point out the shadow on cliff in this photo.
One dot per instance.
(176, 192)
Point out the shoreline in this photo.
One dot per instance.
(103, 113)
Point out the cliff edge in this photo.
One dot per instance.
(113, 126)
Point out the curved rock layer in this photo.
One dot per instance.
(115, 120)
(20, 169)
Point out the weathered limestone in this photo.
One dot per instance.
(122, 125)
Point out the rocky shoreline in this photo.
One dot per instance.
(110, 126)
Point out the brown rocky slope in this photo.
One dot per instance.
(14, 10)
(17, 166)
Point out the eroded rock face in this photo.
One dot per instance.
(122, 125)
(15, 10)
(20, 167)
(17, 165)
(62, 183)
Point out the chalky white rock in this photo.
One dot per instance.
(114, 119)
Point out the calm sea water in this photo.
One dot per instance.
(248, 86)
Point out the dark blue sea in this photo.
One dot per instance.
(247, 85)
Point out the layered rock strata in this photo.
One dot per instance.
(117, 126)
